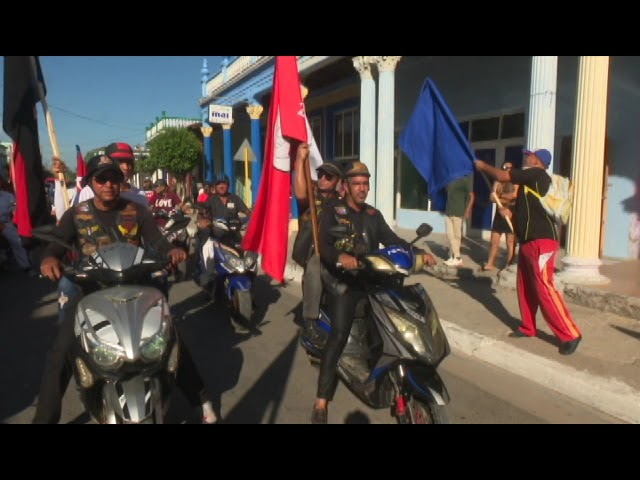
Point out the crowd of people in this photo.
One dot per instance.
(339, 197)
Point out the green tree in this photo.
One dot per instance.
(177, 150)
(146, 165)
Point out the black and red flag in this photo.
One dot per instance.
(22, 76)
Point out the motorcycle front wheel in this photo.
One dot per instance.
(242, 304)
(421, 412)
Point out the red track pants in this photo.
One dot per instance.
(536, 266)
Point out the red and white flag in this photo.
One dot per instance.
(81, 168)
(268, 230)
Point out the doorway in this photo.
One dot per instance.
(495, 154)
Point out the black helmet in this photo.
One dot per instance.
(331, 167)
(221, 178)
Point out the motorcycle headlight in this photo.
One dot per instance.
(153, 348)
(233, 262)
(250, 259)
(107, 355)
(409, 329)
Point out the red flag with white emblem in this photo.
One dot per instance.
(268, 230)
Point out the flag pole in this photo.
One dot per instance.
(247, 194)
(52, 131)
(311, 195)
(497, 200)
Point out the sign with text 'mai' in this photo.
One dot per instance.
(220, 114)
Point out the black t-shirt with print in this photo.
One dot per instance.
(532, 222)
(111, 224)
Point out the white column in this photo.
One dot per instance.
(542, 104)
(582, 261)
(385, 164)
(367, 120)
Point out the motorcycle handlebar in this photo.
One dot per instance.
(98, 273)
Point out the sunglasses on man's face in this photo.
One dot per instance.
(507, 167)
(326, 175)
(114, 178)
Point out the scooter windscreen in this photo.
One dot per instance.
(117, 263)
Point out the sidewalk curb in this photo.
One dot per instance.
(608, 395)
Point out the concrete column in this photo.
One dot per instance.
(541, 126)
(385, 161)
(207, 132)
(367, 119)
(228, 156)
(204, 72)
(542, 104)
(582, 262)
(254, 111)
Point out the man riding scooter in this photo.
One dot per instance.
(338, 257)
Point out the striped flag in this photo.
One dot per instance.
(81, 168)
(268, 230)
(20, 122)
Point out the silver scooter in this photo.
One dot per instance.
(125, 354)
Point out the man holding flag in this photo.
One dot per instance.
(23, 83)
(320, 194)
(268, 230)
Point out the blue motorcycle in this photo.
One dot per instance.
(232, 269)
(396, 342)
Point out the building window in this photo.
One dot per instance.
(485, 129)
(346, 140)
(500, 127)
(414, 193)
(512, 126)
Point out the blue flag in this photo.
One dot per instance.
(435, 144)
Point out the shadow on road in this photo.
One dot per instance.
(631, 333)
(26, 330)
(260, 404)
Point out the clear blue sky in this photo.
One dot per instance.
(98, 100)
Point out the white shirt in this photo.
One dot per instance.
(134, 194)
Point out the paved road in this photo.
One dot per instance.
(263, 378)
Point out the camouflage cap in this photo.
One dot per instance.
(356, 169)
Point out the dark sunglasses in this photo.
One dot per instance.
(506, 168)
(114, 178)
(328, 176)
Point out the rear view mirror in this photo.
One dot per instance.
(424, 230)
(49, 233)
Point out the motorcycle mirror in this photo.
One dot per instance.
(49, 233)
(424, 230)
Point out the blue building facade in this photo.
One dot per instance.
(357, 107)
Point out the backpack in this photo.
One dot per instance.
(559, 198)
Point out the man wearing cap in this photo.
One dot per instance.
(163, 202)
(538, 237)
(123, 154)
(222, 202)
(369, 230)
(105, 219)
(325, 189)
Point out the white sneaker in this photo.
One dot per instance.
(453, 262)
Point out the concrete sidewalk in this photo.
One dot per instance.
(603, 373)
